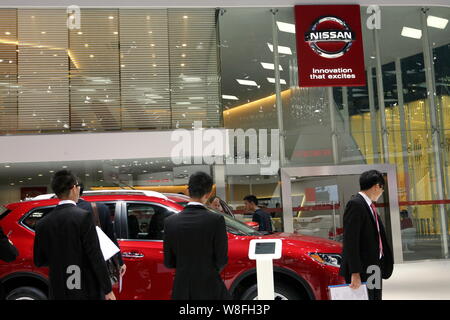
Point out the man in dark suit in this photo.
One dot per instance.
(196, 245)
(66, 241)
(365, 243)
(8, 252)
(259, 216)
(106, 224)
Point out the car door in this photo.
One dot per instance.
(142, 251)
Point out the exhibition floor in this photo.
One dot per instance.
(422, 280)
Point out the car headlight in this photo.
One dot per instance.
(329, 259)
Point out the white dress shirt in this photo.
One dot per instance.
(66, 202)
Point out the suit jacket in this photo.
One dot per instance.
(8, 252)
(105, 221)
(196, 245)
(65, 237)
(361, 242)
(263, 219)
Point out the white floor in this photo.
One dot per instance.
(424, 280)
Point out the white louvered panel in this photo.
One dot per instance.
(144, 69)
(43, 93)
(94, 71)
(8, 70)
(193, 67)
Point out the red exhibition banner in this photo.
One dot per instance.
(329, 46)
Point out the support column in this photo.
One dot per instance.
(380, 92)
(219, 178)
(429, 76)
(373, 117)
(404, 140)
(334, 140)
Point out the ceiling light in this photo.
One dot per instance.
(51, 171)
(281, 49)
(43, 32)
(91, 56)
(247, 82)
(110, 17)
(64, 167)
(228, 97)
(271, 66)
(40, 175)
(437, 22)
(150, 32)
(183, 55)
(7, 33)
(196, 98)
(183, 103)
(272, 80)
(79, 32)
(115, 32)
(182, 64)
(185, 17)
(411, 33)
(7, 166)
(184, 45)
(286, 27)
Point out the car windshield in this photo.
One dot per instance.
(237, 227)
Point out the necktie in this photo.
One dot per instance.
(380, 243)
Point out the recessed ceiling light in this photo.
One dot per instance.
(64, 167)
(185, 17)
(228, 97)
(40, 175)
(7, 33)
(7, 166)
(99, 171)
(286, 27)
(281, 49)
(29, 179)
(272, 80)
(79, 32)
(411, 33)
(51, 171)
(110, 17)
(184, 45)
(247, 82)
(183, 103)
(115, 32)
(183, 55)
(271, 66)
(43, 32)
(91, 56)
(86, 45)
(182, 64)
(437, 22)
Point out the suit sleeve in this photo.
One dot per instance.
(108, 226)
(39, 256)
(352, 231)
(92, 249)
(256, 218)
(221, 245)
(169, 254)
(8, 252)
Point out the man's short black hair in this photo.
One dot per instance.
(251, 198)
(200, 183)
(370, 178)
(62, 182)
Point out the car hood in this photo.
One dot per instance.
(310, 243)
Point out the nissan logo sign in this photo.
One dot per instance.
(330, 37)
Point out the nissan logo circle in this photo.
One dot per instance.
(330, 37)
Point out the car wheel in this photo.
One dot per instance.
(26, 293)
(282, 292)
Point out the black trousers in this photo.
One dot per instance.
(376, 294)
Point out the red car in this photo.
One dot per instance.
(307, 267)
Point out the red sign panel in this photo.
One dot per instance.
(329, 46)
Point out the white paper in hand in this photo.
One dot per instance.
(106, 245)
(344, 292)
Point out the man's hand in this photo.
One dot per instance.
(123, 269)
(110, 296)
(356, 281)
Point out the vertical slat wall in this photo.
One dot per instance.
(8, 70)
(144, 69)
(123, 69)
(194, 67)
(95, 71)
(43, 101)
